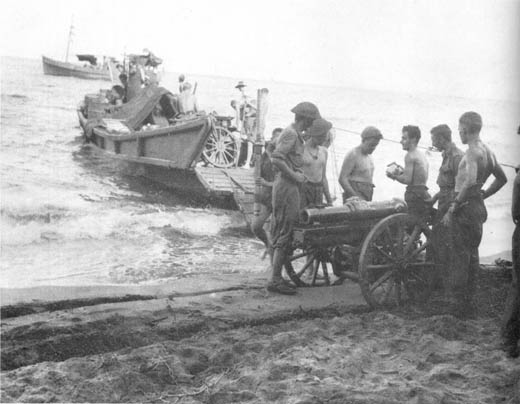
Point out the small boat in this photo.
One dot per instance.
(194, 154)
(92, 70)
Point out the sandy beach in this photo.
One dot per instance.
(228, 340)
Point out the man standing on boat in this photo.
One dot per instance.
(467, 213)
(414, 175)
(187, 100)
(245, 119)
(288, 159)
(315, 166)
(357, 171)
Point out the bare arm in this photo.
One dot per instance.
(498, 182)
(326, 190)
(286, 170)
(346, 169)
(407, 176)
(471, 178)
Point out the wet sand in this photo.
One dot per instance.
(241, 344)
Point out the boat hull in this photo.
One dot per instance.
(170, 156)
(57, 68)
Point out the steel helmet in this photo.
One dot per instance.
(307, 109)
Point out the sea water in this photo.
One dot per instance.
(70, 217)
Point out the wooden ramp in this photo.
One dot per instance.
(236, 182)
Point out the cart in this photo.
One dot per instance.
(376, 244)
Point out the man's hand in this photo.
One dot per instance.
(447, 220)
(263, 182)
(431, 201)
(299, 177)
(390, 175)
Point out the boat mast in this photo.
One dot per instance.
(71, 33)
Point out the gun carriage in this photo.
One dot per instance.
(376, 244)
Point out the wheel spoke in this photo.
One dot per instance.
(224, 158)
(426, 264)
(380, 266)
(380, 281)
(305, 267)
(388, 236)
(315, 272)
(302, 254)
(325, 272)
(411, 240)
(380, 250)
(418, 278)
(400, 239)
(418, 250)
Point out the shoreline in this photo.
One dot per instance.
(222, 345)
(41, 295)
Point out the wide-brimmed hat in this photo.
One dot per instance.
(306, 109)
(371, 132)
(319, 127)
(240, 84)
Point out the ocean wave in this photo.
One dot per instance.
(99, 223)
(16, 96)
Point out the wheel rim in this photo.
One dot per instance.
(394, 267)
(309, 267)
(220, 149)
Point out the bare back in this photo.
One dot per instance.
(485, 161)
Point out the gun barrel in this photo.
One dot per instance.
(353, 210)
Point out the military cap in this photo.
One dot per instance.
(319, 127)
(371, 132)
(307, 109)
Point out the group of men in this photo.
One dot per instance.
(296, 162)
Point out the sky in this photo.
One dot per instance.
(466, 48)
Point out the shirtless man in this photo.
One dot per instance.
(357, 171)
(467, 213)
(287, 158)
(415, 174)
(187, 100)
(315, 166)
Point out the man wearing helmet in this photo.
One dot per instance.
(288, 159)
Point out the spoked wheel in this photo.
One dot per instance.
(394, 265)
(221, 148)
(309, 267)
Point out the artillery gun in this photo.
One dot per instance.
(377, 244)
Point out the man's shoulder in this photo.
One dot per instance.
(455, 151)
(477, 151)
(289, 130)
(352, 153)
(419, 155)
(288, 134)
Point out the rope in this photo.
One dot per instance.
(396, 141)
